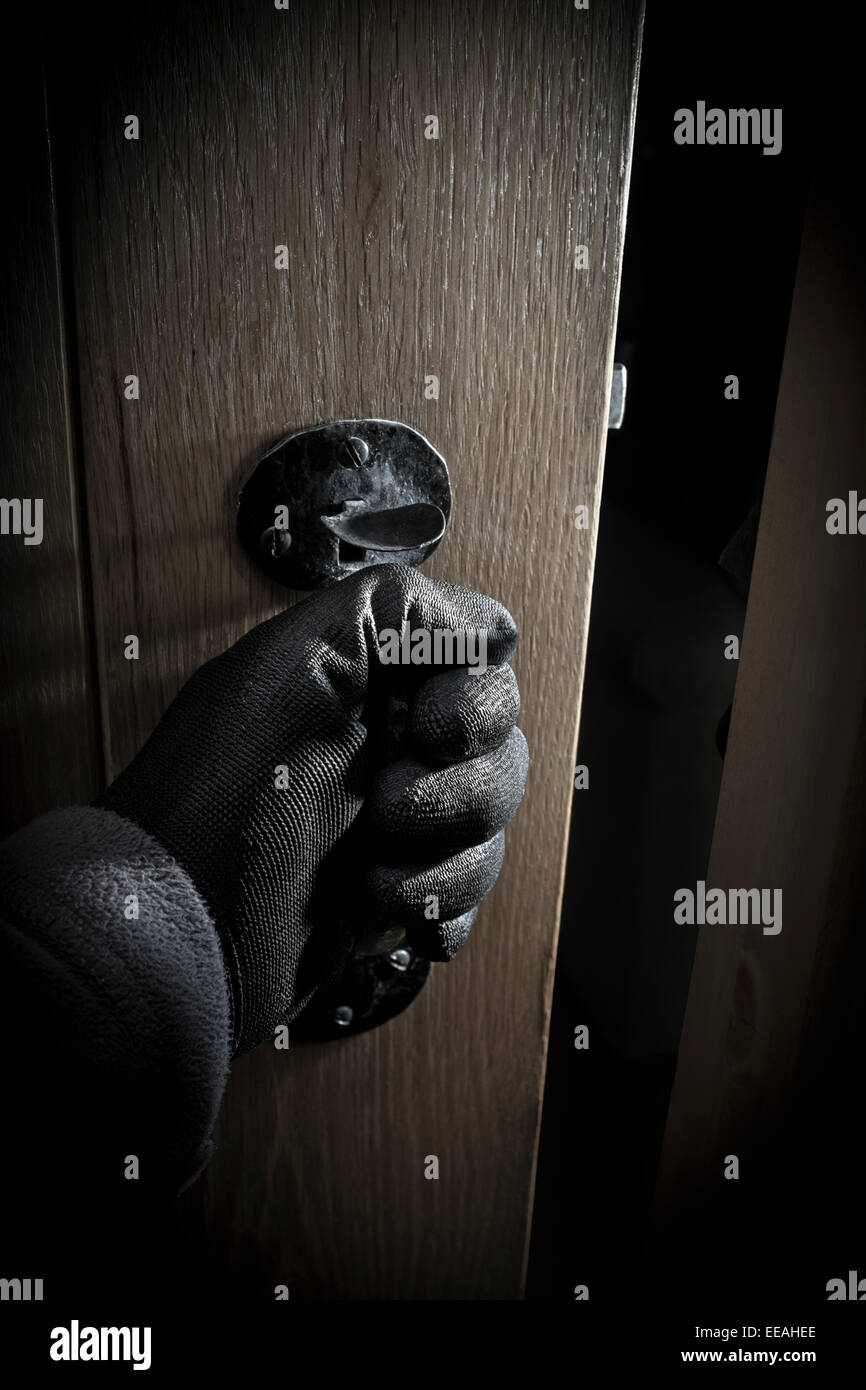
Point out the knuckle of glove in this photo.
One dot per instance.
(446, 807)
(393, 593)
(451, 886)
(457, 715)
(441, 941)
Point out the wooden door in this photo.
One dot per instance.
(408, 258)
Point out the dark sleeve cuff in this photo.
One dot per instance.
(114, 982)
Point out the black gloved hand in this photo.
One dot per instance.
(274, 780)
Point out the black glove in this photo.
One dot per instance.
(275, 780)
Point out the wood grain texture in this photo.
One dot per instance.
(762, 1009)
(47, 690)
(408, 257)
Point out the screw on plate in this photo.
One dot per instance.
(354, 452)
(275, 541)
(401, 959)
(370, 991)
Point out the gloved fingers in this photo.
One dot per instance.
(440, 941)
(448, 807)
(440, 891)
(400, 596)
(457, 714)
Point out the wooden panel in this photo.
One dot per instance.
(408, 257)
(44, 652)
(762, 1009)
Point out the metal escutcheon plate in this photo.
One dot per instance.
(330, 500)
(371, 990)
